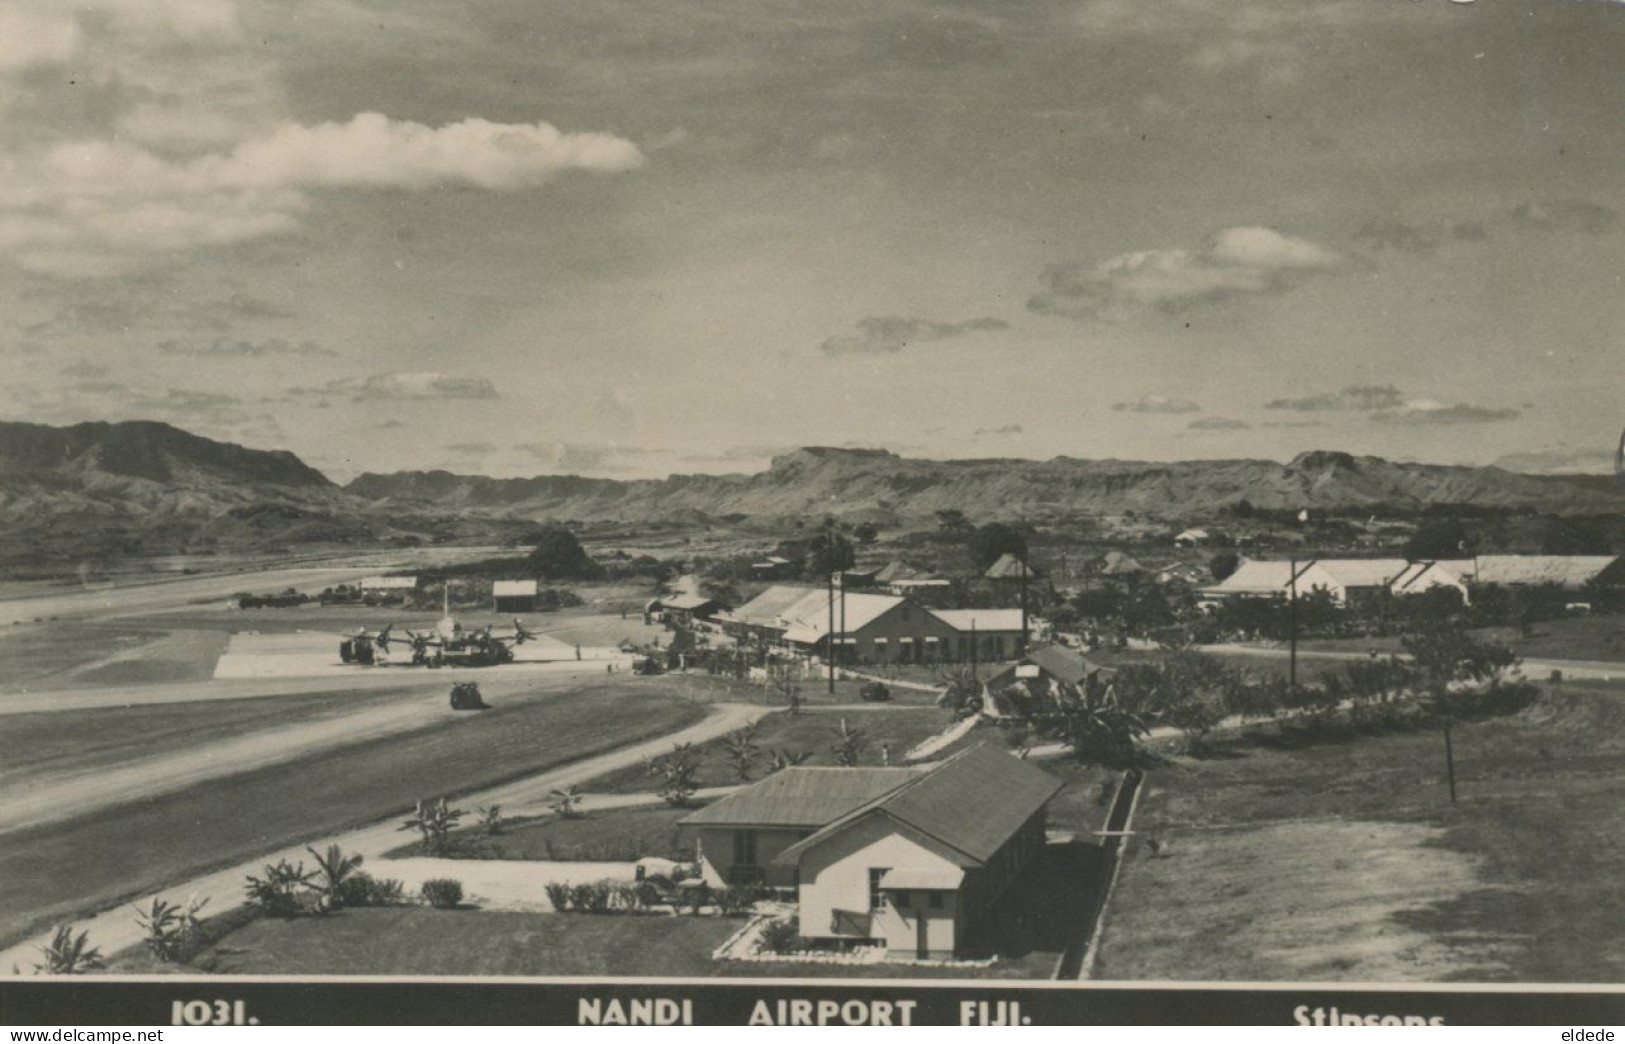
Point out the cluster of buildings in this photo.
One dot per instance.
(1353, 579)
(872, 628)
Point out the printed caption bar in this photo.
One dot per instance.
(406, 1003)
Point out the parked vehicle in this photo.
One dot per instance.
(874, 692)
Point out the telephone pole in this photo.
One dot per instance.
(1292, 625)
(829, 542)
(1021, 645)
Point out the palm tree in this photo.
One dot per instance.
(68, 954)
(784, 758)
(567, 802)
(742, 750)
(333, 868)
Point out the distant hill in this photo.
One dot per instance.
(147, 487)
(880, 485)
(94, 489)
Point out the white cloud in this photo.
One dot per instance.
(886, 334)
(418, 386)
(1237, 262)
(93, 202)
(1157, 404)
(1432, 411)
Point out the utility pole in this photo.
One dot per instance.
(973, 676)
(1292, 625)
(829, 542)
(843, 615)
(1449, 762)
(1021, 645)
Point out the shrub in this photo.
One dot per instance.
(598, 898)
(434, 822)
(580, 897)
(491, 821)
(732, 902)
(627, 897)
(277, 894)
(696, 899)
(69, 954)
(782, 936)
(365, 890)
(169, 928)
(442, 893)
(558, 893)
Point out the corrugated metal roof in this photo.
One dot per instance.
(1362, 572)
(511, 588)
(985, 619)
(687, 601)
(801, 796)
(1255, 576)
(972, 803)
(808, 618)
(1568, 571)
(767, 609)
(1008, 567)
(1060, 662)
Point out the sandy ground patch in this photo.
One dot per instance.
(500, 884)
(1312, 900)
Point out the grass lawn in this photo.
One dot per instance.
(611, 835)
(422, 941)
(1346, 861)
(812, 731)
(1600, 637)
(58, 871)
(32, 653)
(84, 740)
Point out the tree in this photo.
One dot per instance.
(849, 745)
(742, 750)
(1223, 564)
(676, 772)
(1446, 655)
(830, 552)
(961, 691)
(434, 821)
(332, 868)
(69, 954)
(566, 802)
(558, 555)
(1442, 538)
(784, 758)
(953, 522)
(781, 678)
(994, 540)
(866, 533)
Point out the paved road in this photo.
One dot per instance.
(1535, 667)
(113, 930)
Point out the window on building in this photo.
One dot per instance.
(744, 848)
(935, 901)
(877, 898)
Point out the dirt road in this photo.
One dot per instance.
(115, 929)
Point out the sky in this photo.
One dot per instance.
(626, 239)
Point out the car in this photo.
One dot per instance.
(874, 692)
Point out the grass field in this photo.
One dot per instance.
(813, 731)
(34, 652)
(1346, 861)
(421, 941)
(112, 736)
(93, 861)
(1571, 638)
